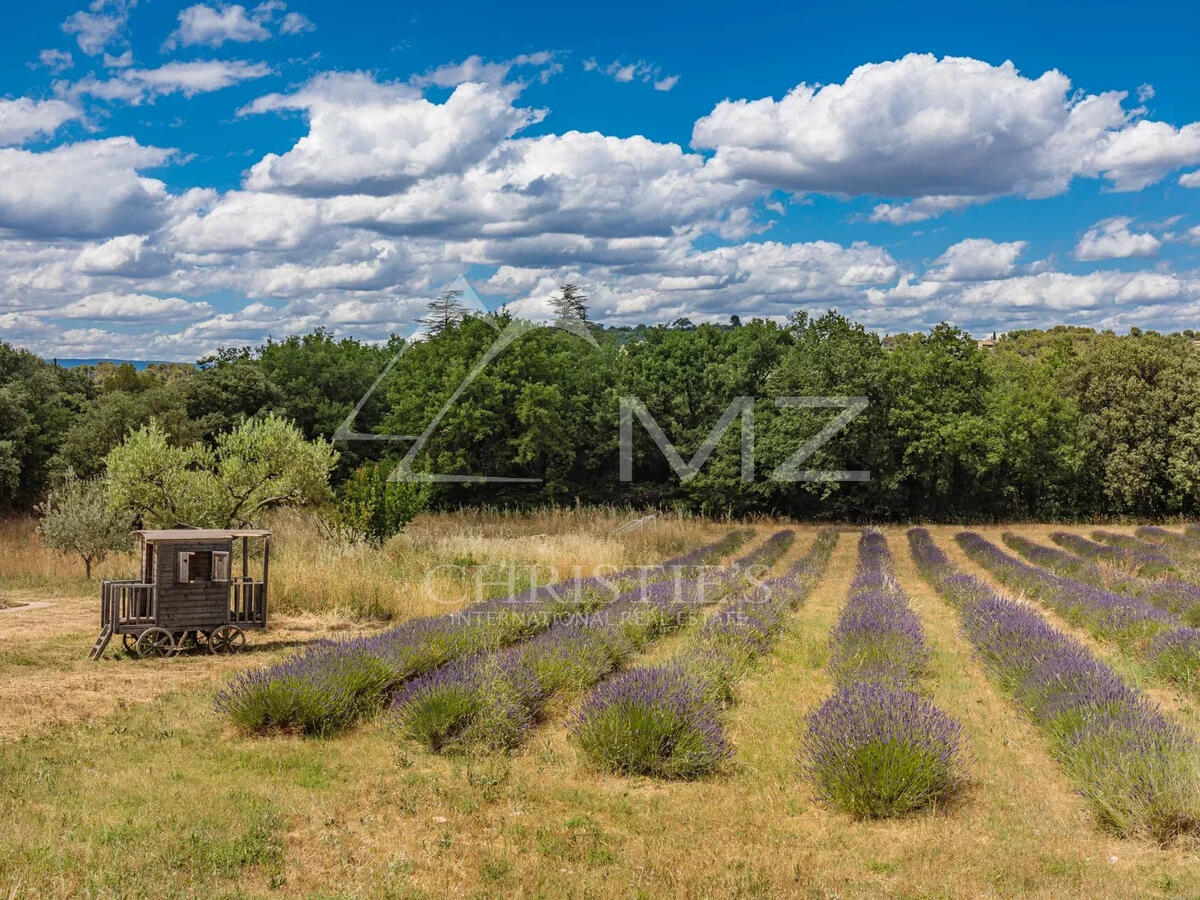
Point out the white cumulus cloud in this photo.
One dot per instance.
(376, 138)
(99, 26)
(88, 189)
(976, 259)
(1112, 239)
(23, 118)
(923, 127)
(137, 86)
(212, 26)
(141, 307)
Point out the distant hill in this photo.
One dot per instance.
(138, 364)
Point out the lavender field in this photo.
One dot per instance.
(758, 709)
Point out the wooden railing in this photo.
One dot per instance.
(128, 603)
(247, 602)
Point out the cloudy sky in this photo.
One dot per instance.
(179, 177)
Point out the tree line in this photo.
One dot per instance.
(1066, 423)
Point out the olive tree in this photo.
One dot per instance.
(77, 518)
(260, 464)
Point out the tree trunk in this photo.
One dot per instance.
(87, 567)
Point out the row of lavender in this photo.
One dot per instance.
(490, 701)
(1187, 544)
(666, 720)
(1139, 558)
(876, 747)
(1171, 649)
(331, 684)
(1179, 597)
(1139, 771)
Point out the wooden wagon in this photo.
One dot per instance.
(188, 593)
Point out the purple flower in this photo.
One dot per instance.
(665, 720)
(1105, 613)
(875, 750)
(652, 720)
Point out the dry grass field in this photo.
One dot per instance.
(118, 778)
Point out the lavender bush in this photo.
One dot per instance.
(1175, 656)
(1139, 771)
(665, 721)
(330, 685)
(1158, 535)
(876, 748)
(877, 638)
(491, 702)
(653, 720)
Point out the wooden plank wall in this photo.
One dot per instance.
(197, 604)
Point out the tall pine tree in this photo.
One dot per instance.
(570, 306)
(444, 312)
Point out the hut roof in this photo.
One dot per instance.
(201, 534)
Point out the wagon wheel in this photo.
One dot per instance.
(226, 639)
(156, 642)
(129, 639)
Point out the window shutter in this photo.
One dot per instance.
(220, 566)
(183, 558)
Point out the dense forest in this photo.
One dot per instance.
(1059, 424)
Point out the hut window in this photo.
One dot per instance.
(182, 565)
(220, 565)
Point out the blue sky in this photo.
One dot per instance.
(174, 177)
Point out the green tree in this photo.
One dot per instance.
(532, 412)
(828, 356)
(261, 464)
(320, 380)
(77, 518)
(376, 507)
(106, 422)
(38, 402)
(936, 387)
(229, 388)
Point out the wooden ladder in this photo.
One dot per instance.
(101, 642)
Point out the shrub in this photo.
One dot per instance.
(1175, 656)
(665, 720)
(875, 750)
(1138, 770)
(328, 686)
(375, 507)
(491, 701)
(651, 721)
